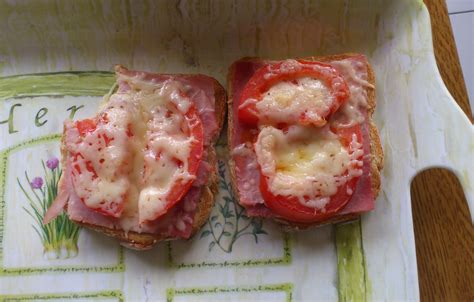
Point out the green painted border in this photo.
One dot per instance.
(353, 281)
(284, 287)
(285, 260)
(64, 296)
(87, 83)
(119, 267)
(81, 83)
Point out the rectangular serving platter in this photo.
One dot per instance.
(56, 59)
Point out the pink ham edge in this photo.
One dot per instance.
(179, 221)
(250, 196)
(59, 202)
(65, 183)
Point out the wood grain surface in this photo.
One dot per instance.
(444, 233)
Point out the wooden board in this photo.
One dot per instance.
(444, 233)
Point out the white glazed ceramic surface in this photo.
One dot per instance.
(420, 125)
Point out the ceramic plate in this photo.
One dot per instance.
(55, 63)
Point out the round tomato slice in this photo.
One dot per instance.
(311, 91)
(193, 128)
(305, 209)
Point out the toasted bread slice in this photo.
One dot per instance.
(143, 241)
(375, 145)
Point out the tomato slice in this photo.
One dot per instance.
(85, 126)
(292, 209)
(181, 187)
(193, 127)
(290, 71)
(103, 159)
(82, 164)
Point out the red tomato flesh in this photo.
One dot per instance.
(261, 82)
(290, 208)
(87, 127)
(194, 127)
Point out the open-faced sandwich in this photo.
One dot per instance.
(143, 169)
(304, 150)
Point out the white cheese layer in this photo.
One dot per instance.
(166, 147)
(307, 162)
(141, 169)
(351, 112)
(288, 101)
(166, 161)
(108, 152)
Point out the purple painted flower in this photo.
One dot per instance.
(37, 183)
(52, 163)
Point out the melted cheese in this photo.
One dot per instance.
(287, 66)
(165, 158)
(351, 112)
(166, 161)
(109, 161)
(287, 101)
(306, 162)
(140, 169)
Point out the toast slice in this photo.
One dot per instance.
(376, 152)
(143, 240)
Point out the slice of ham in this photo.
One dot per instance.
(245, 160)
(242, 153)
(363, 198)
(178, 222)
(203, 172)
(61, 199)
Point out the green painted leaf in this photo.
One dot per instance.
(227, 234)
(221, 208)
(226, 212)
(257, 225)
(214, 218)
(211, 245)
(205, 233)
(256, 238)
